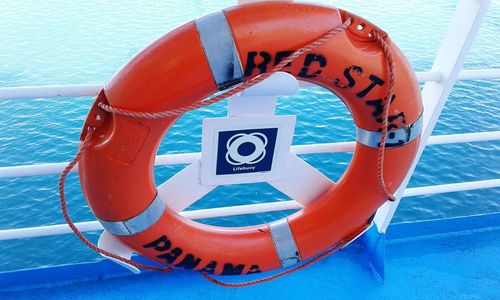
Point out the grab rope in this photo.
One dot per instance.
(386, 104)
(336, 247)
(179, 111)
(64, 208)
(380, 166)
(175, 112)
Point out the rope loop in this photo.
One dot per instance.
(87, 142)
(386, 105)
(326, 253)
(179, 111)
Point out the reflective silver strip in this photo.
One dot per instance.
(139, 223)
(284, 242)
(220, 49)
(395, 138)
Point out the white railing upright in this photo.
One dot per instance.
(449, 61)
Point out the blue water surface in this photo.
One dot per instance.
(75, 42)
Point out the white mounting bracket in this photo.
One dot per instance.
(299, 180)
(110, 243)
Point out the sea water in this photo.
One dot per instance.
(77, 42)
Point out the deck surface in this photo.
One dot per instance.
(444, 259)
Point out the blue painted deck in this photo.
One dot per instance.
(442, 259)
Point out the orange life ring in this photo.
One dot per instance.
(213, 53)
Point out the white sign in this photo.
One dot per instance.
(245, 149)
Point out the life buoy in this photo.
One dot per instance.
(211, 54)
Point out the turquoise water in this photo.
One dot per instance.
(62, 42)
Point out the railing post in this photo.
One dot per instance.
(449, 61)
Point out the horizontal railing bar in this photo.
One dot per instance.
(464, 138)
(429, 76)
(90, 90)
(50, 91)
(187, 158)
(247, 209)
(451, 187)
(479, 74)
(49, 230)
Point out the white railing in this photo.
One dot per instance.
(439, 82)
(188, 158)
(30, 232)
(91, 90)
(449, 61)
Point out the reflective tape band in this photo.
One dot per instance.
(139, 223)
(220, 49)
(395, 138)
(284, 242)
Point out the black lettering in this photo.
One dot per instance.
(310, 58)
(378, 108)
(391, 136)
(347, 74)
(171, 256)
(251, 64)
(189, 262)
(401, 118)
(391, 139)
(393, 144)
(280, 55)
(377, 105)
(375, 81)
(210, 267)
(254, 269)
(160, 244)
(230, 269)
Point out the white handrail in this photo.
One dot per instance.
(187, 158)
(91, 90)
(449, 61)
(451, 187)
(481, 74)
(50, 91)
(49, 230)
